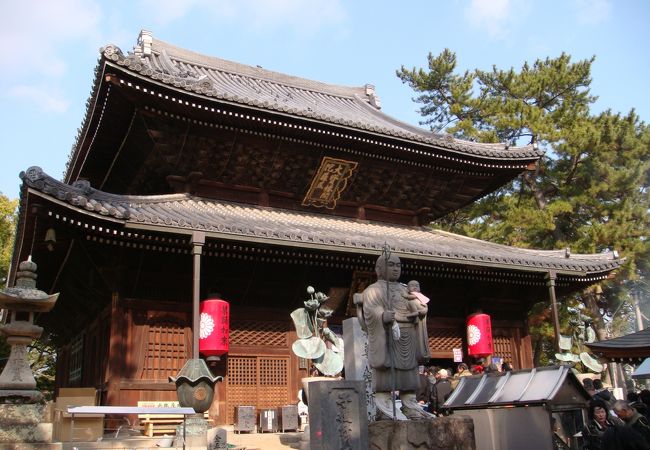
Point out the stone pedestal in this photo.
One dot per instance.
(196, 433)
(455, 432)
(20, 424)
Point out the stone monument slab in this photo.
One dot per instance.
(355, 342)
(217, 439)
(337, 415)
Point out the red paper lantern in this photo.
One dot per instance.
(214, 330)
(479, 335)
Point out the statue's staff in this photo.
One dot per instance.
(389, 305)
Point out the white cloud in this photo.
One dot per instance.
(297, 15)
(497, 17)
(46, 99)
(32, 32)
(593, 12)
(489, 15)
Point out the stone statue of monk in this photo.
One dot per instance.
(385, 303)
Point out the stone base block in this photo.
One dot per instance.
(24, 424)
(196, 433)
(437, 434)
(33, 446)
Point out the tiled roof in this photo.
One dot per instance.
(183, 211)
(638, 340)
(354, 107)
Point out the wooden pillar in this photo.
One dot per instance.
(198, 240)
(550, 283)
(114, 371)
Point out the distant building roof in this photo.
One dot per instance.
(178, 212)
(631, 347)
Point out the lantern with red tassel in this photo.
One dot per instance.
(479, 335)
(214, 328)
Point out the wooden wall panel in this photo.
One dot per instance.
(241, 384)
(260, 381)
(165, 351)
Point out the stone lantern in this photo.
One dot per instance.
(23, 415)
(195, 385)
(17, 383)
(195, 389)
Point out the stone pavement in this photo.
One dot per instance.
(242, 441)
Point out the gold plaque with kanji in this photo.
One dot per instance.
(329, 182)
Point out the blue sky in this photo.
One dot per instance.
(48, 51)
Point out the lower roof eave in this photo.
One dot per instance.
(78, 209)
(364, 250)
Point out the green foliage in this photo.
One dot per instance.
(590, 191)
(7, 229)
(42, 360)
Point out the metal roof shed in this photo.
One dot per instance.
(515, 410)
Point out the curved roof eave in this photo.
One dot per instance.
(184, 214)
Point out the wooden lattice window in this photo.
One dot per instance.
(76, 358)
(254, 332)
(260, 381)
(165, 352)
(503, 347)
(444, 339)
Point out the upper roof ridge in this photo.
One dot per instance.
(160, 47)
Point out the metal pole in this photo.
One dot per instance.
(550, 283)
(198, 240)
(390, 333)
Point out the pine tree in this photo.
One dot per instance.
(588, 193)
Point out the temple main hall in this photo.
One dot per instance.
(274, 183)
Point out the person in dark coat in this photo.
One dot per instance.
(422, 394)
(440, 392)
(603, 394)
(599, 422)
(623, 438)
(644, 396)
(633, 419)
(635, 401)
(643, 404)
(588, 383)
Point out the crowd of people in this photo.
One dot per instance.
(612, 424)
(437, 383)
(616, 424)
